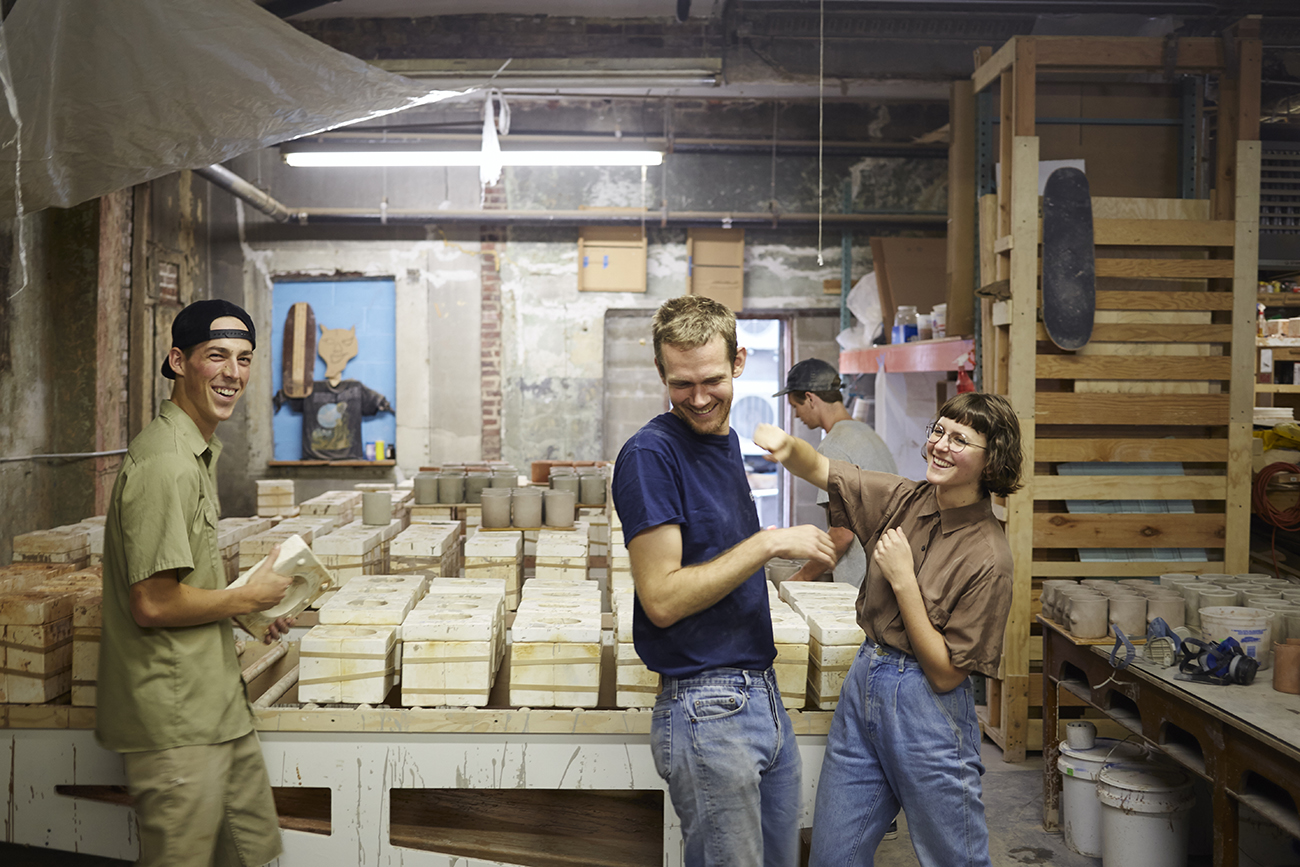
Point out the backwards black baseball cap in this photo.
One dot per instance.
(193, 326)
(811, 374)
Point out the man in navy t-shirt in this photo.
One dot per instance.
(720, 735)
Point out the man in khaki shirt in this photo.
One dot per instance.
(170, 696)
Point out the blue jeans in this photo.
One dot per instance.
(894, 742)
(724, 744)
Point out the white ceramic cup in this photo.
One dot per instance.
(1080, 735)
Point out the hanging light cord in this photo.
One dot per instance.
(821, 81)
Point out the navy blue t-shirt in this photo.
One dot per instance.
(668, 474)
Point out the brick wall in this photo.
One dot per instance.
(494, 198)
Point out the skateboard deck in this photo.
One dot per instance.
(298, 361)
(1069, 259)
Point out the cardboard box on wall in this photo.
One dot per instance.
(715, 265)
(611, 259)
(910, 271)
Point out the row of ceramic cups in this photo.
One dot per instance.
(587, 483)
(454, 486)
(528, 508)
(1133, 603)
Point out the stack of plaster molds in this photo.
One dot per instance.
(349, 553)
(597, 521)
(555, 646)
(369, 607)
(68, 546)
(415, 583)
(620, 563)
(834, 635)
(94, 526)
(431, 549)
(450, 650)
(275, 498)
(87, 627)
(230, 533)
(497, 554)
(345, 504)
(403, 500)
(562, 555)
(473, 593)
(35, 645)
(348, 663)
(634, 684)
(790, 632)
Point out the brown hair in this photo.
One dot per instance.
(992, 416)
(690, 321)
(830, 396)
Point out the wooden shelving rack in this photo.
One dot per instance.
(1169, 375)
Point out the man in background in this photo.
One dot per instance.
(813, 389)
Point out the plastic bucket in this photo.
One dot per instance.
(1252, 627)
(1146, 814)
(1080, 810)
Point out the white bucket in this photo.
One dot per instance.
(1080, 811)
(1252, 627)
(1146, 814)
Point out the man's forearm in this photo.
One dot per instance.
(674, 594)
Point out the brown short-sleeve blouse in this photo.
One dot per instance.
(961, 557)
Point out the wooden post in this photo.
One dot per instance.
(1020, 391)
(961, 210)
(1245, 265)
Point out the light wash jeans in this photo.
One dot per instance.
(724, 744)
(894, 742)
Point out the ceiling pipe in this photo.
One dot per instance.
(723, 219)
(281, 213)
(242, 189)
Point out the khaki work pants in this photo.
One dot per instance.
(204, 805)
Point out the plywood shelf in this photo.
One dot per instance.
(916, 357)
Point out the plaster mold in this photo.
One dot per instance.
(347, 663)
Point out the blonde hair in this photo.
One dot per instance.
(690, 321)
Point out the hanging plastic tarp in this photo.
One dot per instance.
(112, 93)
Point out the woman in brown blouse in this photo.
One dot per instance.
(933, 605)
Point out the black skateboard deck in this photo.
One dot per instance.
(1069, 259)
(298, 361)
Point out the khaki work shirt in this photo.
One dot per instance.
(169, 686)
(961, 558)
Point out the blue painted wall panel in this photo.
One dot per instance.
(370, 305)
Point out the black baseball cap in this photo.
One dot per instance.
(811, 374)
(193, 326)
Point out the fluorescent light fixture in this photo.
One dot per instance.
(392, 159)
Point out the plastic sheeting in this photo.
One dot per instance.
(112, 93)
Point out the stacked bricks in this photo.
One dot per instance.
(833, 635)
(497, 554)
(430, 549)
(275, 498)
(634, 684)
(555, 651)
(452, 645)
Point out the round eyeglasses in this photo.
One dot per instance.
(956, 442)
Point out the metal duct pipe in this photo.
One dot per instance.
(240, 188)
(758, 219)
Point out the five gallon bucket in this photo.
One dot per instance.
(1252, 627)
(1080, 810)
(1145, 814)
